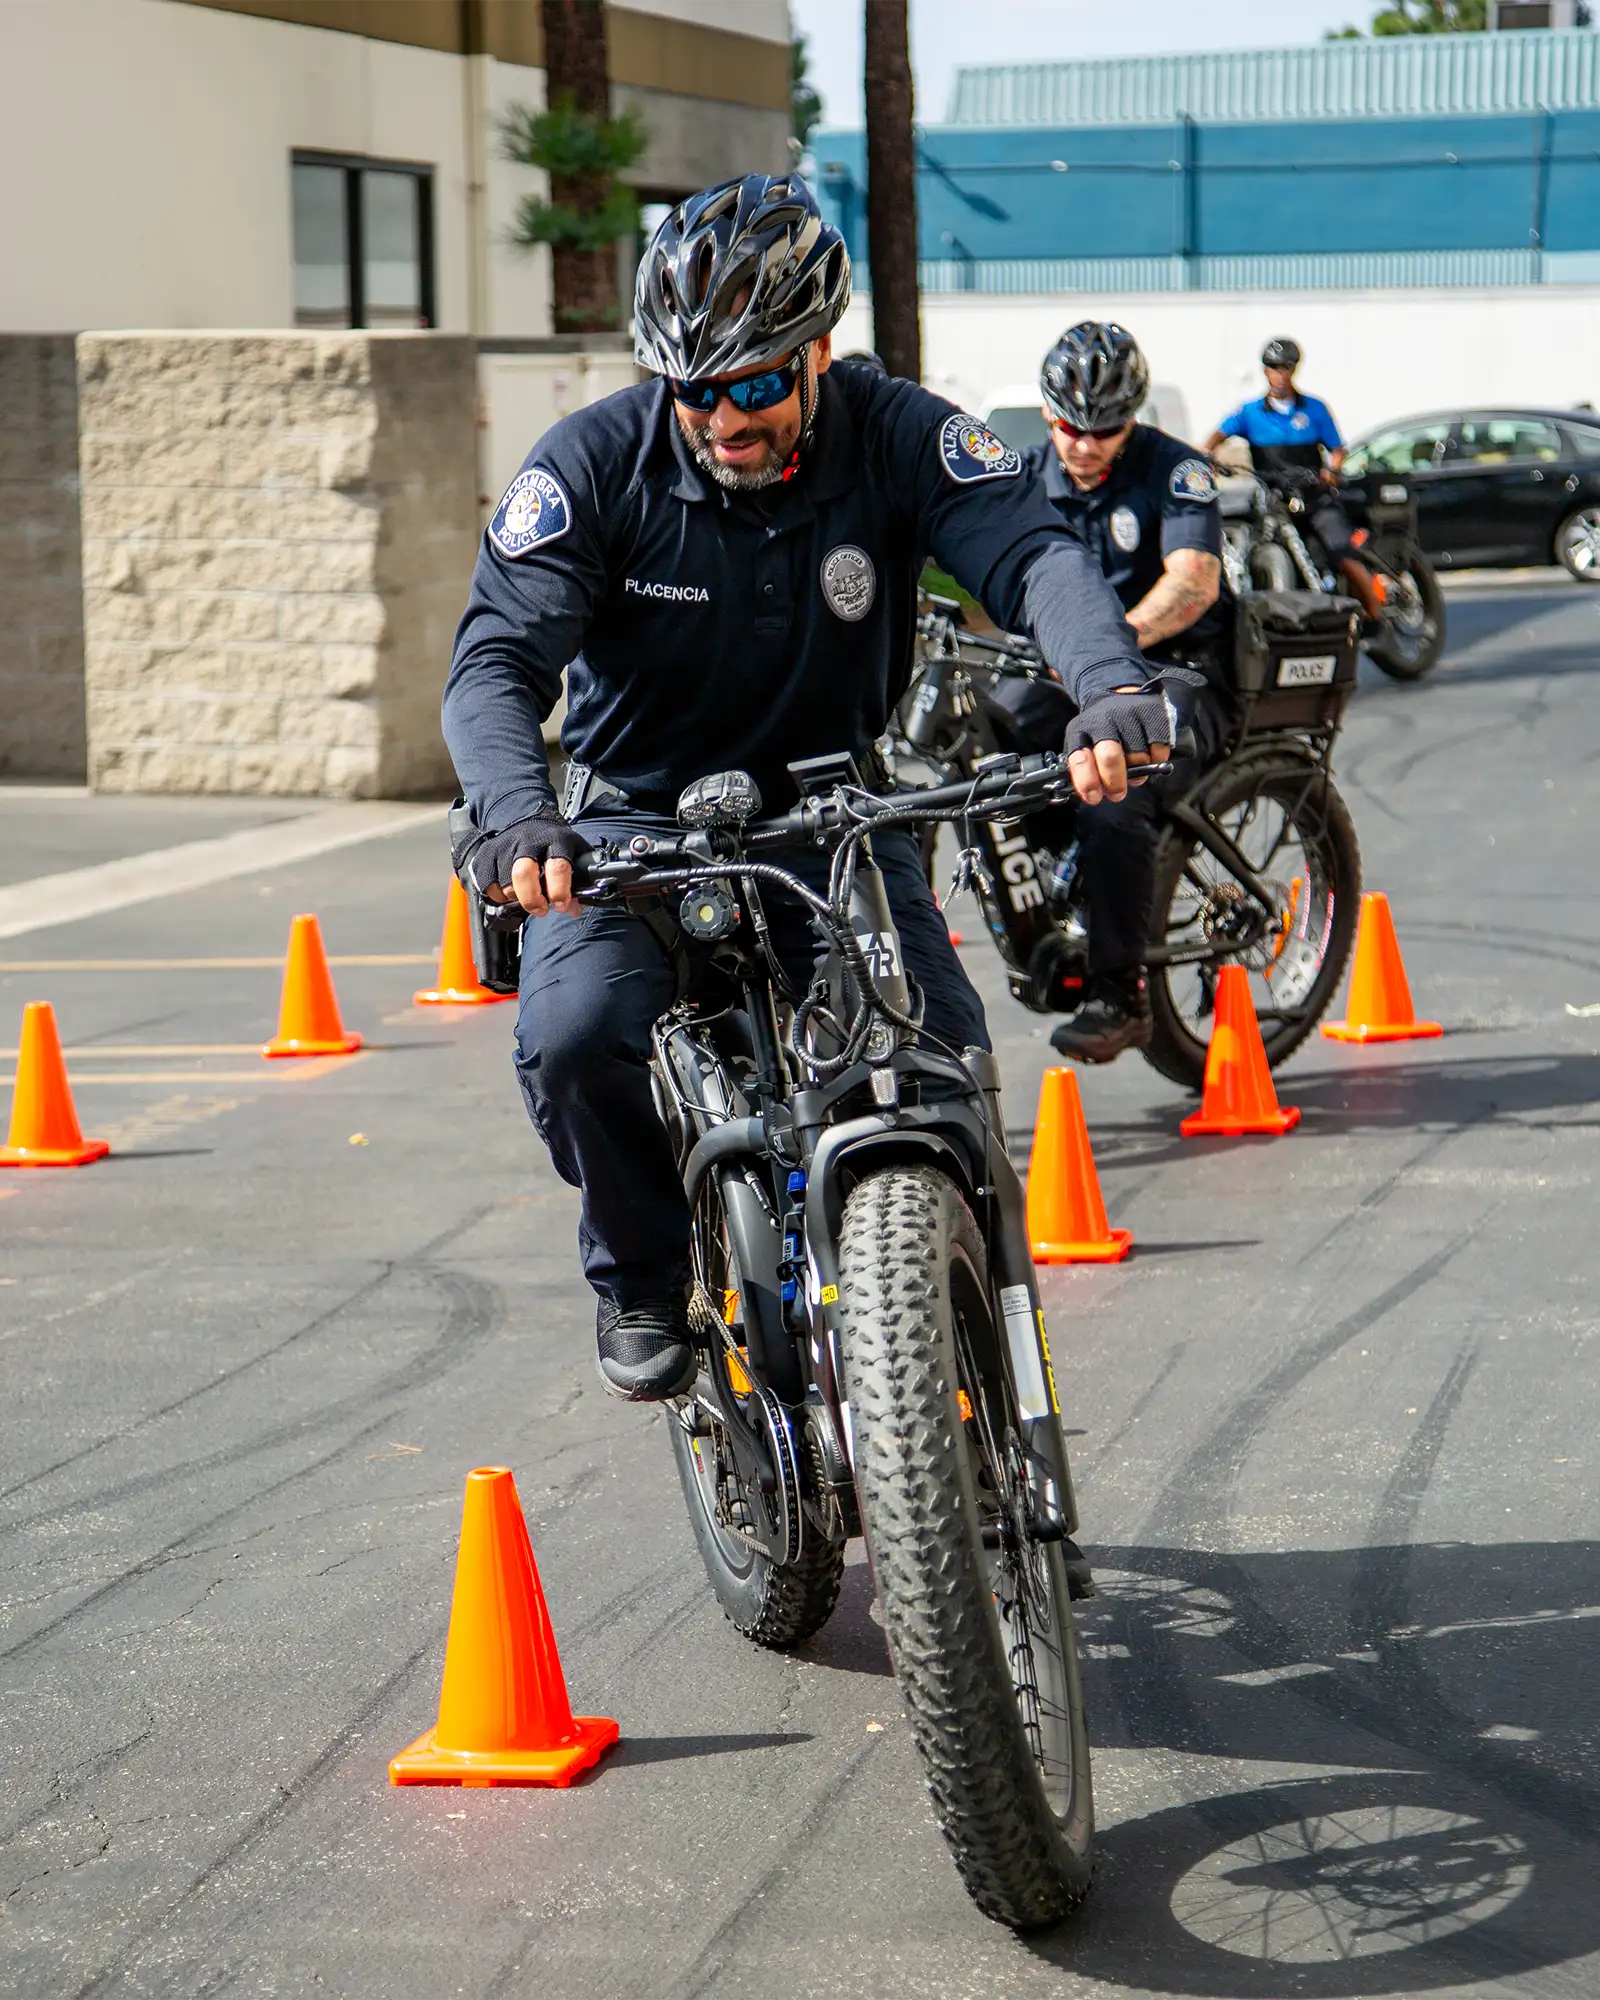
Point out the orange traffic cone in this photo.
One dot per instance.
(504, 1718)
(1380, 997)
(1066, 1216)
(44, 1121)
(458, 976)
(308, 1016)
(1239, 1096)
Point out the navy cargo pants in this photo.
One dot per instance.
(592, 988)
(1117, 838)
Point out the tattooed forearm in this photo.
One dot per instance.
(1188, 587)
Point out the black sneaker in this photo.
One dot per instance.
(644, 1352)
(1115, 1016)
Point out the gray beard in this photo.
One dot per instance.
(732, 478)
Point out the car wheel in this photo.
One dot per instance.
(1578, 543)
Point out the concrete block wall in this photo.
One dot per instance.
(278, 534)
(41, 606)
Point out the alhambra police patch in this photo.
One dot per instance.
(1191, 480)
(970, 452)
(534, 511)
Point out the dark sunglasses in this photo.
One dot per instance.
(1071, 430)
(751, 392)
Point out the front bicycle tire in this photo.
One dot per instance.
(1006, 1752)
(1297, 830)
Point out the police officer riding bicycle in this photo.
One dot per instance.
(1145, 503)
(724, 564)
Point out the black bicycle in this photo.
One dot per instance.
(1257, 862)
(872, 1352)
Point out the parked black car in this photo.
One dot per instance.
(1495, 489)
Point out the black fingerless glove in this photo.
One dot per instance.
(1138, 720)
(490, 859)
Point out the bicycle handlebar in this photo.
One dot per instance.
(1007, 787)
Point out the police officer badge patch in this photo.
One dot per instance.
(534, 511)
(1191, 480)
(849, 582)
(970, 452)
(1125, 529)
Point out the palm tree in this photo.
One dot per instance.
(583, 148)
(892, 188)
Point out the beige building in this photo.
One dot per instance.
(163, 156)
(234, 564)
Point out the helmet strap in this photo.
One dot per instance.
(808, 413)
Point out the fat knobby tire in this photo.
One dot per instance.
(902, 1228)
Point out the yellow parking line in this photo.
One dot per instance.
(81, 1051)
(285, 1069)
(203, 964)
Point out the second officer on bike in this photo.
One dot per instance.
(1146, 505)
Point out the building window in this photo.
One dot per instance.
(363, 242)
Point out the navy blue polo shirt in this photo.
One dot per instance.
(1159, 495)
(1293, 438)
(702, 631)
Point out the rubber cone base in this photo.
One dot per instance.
(456, 996)
(292, 1045)
(1351, 1031)
(423, 1764)
(55, 1156)
(1112, 1251)
(1199, 1126)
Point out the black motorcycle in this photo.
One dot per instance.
(1269, 544)
(872, 1351)
(1257, 860)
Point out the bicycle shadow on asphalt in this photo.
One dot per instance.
(1395, 1095)
(1447, 1688)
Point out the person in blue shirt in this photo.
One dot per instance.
(1290, 432)
(723, 565)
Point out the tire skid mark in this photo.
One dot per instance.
(289, 1799)
(1405, 1711)
(472, 1315)
(1194, 1502)
(413, 1260)
(1153, 1696)
(1381, 1600)
(417, 1373)
(703, 1974)
(1153, 1389)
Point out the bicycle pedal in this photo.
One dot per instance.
(1080, 1578)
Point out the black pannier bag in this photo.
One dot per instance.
(1295, 657)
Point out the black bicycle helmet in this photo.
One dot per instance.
(1095, 377)
(738, 277)
(1281, 354)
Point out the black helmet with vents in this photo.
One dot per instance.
(1095, 378)
(1281, 354)
(739, 277)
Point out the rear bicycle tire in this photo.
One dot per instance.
(906, 1231)
(776, 1605)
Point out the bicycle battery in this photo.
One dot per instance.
(496, 928)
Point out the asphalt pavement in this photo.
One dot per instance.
(1333, 1425)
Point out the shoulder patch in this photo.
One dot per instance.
(535, 510)
(970, 452)
(1192, 480)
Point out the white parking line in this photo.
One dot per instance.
(144, 878)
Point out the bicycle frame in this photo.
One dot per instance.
(786, 1149)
